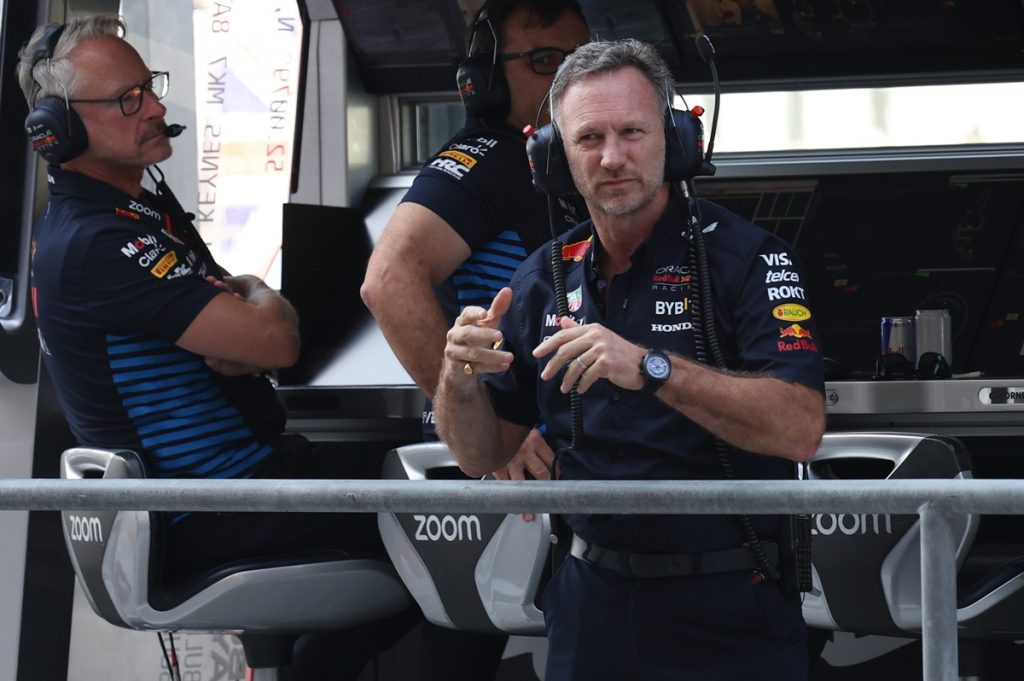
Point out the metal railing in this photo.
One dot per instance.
(937, 502)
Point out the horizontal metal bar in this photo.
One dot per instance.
(680, 497)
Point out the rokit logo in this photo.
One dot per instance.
(86, 529)
(851, 524)
(447, 528)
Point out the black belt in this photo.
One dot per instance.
(654, 565)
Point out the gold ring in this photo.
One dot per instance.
(583, 365)
(467, 369)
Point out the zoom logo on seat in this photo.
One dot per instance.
(447, 528)
(851, 523)
(86, 529)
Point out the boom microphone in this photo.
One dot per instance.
(173, 130)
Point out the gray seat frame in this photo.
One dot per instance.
(111, 551)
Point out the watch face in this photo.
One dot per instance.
(658, 367)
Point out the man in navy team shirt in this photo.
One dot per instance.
(647, 596)
(154, 348)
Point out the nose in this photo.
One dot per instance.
(149, 101)
(613, 154)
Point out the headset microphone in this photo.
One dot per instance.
(707, 55)
(173, 130)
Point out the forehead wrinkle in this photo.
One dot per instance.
(600, 104)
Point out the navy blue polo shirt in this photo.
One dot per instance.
(480, 184)
(115, 283)
(765, 326)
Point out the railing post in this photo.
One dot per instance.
(938, 593)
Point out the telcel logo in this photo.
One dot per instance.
(448, 528)
(86, 529)
(852, 524)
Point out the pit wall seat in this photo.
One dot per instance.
(474, 572)
(867, 567)
(266, 603)
(486, 572)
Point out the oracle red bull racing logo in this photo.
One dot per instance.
(801, 339)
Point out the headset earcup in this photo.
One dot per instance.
(483, 88)
(56, 131)
(548, 165)
(684, 145)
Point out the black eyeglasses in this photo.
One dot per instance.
(544, 61)
(130, 100)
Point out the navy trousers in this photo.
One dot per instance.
(720, 627)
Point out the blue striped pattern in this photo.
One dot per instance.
(489, 269)
(184, 423)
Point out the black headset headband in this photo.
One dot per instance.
(481, 78)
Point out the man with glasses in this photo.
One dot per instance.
(151, 345)
(472, 214)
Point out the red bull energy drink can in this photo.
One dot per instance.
(898, 337)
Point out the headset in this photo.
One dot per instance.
(481, 78)
(54, 129)
(685, 157)
(684, 153)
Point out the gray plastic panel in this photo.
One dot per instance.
(867, 566)
(111, 558)
(472, 572)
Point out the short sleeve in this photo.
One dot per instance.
(143, 281)
(775, 326)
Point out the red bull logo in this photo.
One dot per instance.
(576, 251)
(801, 339)
(794, 331)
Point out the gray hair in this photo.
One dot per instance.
(56, 76)
(601, 57)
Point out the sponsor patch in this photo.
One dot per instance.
(164, 265)
(791, 312)
(576, 251)
(672, 328)
(784, 292)
(781, 276)
(670, 277)
(144, 209)
(776, 259)
(551, 319)
(799, 344)
(671, 307)
(450, 166)
(139, 244)
(802, 339)
(794, 331)
(121, 212)
(575, 299)
(464, 159)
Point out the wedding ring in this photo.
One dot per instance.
(582, 365)
(467, 369)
